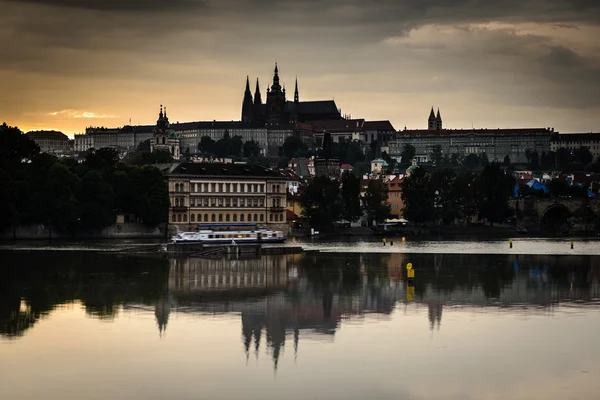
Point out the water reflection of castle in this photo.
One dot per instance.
(279, 299)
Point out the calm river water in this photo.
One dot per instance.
(338, 324)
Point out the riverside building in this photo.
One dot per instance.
(209, 193)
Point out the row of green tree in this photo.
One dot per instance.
(68, 195)
(326, 201)
(447, 196)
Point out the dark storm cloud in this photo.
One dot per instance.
(119, 5)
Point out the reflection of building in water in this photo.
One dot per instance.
(435, 314)
(161, 312)
(201, 275)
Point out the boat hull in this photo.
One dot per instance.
(230, 241)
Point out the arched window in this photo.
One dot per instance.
(281, 218)
(249, 217)
(220, 217)
(156, 140)
(271, 217)
(234, 217)
(163, 140)
(174, 218)
(184, 217)
(241, 217)
(213, 218)
(205, 217)
(262, 217)
(179, 218)
(227, 218)
(255, 217)
(192, 218)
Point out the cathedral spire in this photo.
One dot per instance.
(247, 114)
(432, 114)
(257, 96)
(276, 87)
(296, 95)
(160, 114)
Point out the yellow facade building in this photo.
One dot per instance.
(211, 193)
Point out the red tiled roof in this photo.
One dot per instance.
(343, 125)
(379, 125)
(47, 135)
(346, 166)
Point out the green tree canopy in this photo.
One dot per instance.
(408, 153)
(294, 146)
(251, 149)
(206, 145)
(417, 195)
(376, 201)
(351, 207)
(321, 202)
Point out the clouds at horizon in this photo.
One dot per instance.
(493, 63)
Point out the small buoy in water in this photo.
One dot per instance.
(572, 244)
(383, 241)
(510, 243)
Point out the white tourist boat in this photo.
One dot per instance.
(230, 237)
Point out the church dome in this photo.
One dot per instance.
(173, 134)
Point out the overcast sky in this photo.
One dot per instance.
(68, 64)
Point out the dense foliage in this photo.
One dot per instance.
(446, 196)
(67, 195)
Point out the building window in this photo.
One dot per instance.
(220, 202)
(255, 201)
(192, 218)
(255, 217)
(235, 201)
(220, 217)
(271, 217)
(173, 218)
(262, 188)
(249, 217)
(241, 202)
(228, 187)
(227, 202)
(234, 217)
(184, 217)
(262, 202)
(220, 187)
(256, 188)
(192, 202)
(241, 217)
(226, 217)
(213, 187)
(213, 218)
(262, 217)
(281, 217)
(235, 187)
(179, 218)
(205, 217)
(213, 202)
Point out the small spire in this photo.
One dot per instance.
(276, 69)
(161, 111)
(296, 95)
(165, 111)
(432, 113)
(247, 84)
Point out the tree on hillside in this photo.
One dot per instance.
(206, 145)
(436, 154)
(109, 155)
(15, 147)
(96, 202)
(583, 156)
(321, 202)
(376, 201)
(251, 149)
(408, 153)
(506, 160)
(152, 195)
(61, 202)
(144, 146)
(495, 188)
(417, 195)
(471, 161)
(294, 146)
(156, 157)
(351, 208)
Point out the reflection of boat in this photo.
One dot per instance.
(229, 237)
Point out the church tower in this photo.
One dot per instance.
(275, 100)
(247, 107)
(432, 121)
(438, 121)
(257, 96)
(163, 137)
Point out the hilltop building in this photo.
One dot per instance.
(495, 143)
(326, 164)
(50, 141)
(573, 141)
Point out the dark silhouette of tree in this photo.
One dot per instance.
(144, 146)
(471, 161)
(294, 146)
(206, 145)
(417, 195)
(583, 156)
(495, 187)
(351, 208)
(408, 153)
(506, 160)
(251, 149)
(376, 201)
(15, 147)
(436, 155)
(321, 202)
